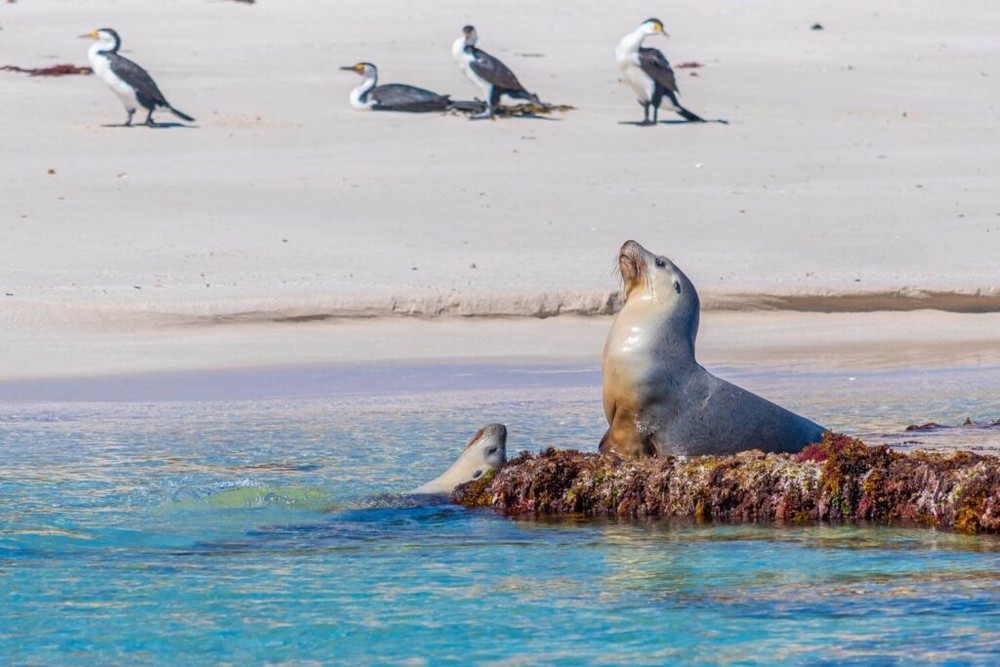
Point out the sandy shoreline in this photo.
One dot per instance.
(857, 174)
(781, 340)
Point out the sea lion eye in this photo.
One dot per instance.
(491, 451)
(677, 287)
(477, 474)
(661, 263)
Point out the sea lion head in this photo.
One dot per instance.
(485, 451)
(489, 446)
(653, 281)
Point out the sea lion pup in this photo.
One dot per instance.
(487, 450)
(657, 398)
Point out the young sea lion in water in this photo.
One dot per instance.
(487, 450)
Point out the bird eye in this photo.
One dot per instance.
(661, 263)
(677, 287)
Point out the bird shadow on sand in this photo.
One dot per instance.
(678, 121)
(157, 126)
(520, 116)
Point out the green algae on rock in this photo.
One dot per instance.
(840, 479)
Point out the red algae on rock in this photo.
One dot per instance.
(840, 479)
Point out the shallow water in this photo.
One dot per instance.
(266, 529)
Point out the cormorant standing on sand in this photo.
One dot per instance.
(648, 72)
(131, 83)
(488, 73)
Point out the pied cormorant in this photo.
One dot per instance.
(392, 96)
(131, 83)
(488, 73)
(648, 72)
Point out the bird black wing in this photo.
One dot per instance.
(493, 70)
(136, 77)
(402, 97)
(656, 65)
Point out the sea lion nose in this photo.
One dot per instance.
(631, 247)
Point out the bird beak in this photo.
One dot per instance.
(349, 68)
(90, 35)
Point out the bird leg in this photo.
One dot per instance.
(128, 121)
(491, 105)
(645, 113)
(656, 114)
(149, 119)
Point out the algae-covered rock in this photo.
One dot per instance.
(840, 479)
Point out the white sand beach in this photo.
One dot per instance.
(857, 174)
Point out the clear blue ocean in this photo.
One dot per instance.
(256, 517)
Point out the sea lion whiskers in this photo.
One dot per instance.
(620, 279)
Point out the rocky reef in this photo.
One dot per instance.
(840, 479)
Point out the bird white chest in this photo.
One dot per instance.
(464, 60)
(102, 69)
(627, 57)
(639, 81)
(358, 99)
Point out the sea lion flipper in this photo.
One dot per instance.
(605, 446)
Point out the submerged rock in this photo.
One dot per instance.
(841, 479)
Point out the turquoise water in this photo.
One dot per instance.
(269, 528)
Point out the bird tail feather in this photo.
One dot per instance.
(181, 114)
(688, 116)
(681, 111)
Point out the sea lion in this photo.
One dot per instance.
(487, 450)
(657, 398)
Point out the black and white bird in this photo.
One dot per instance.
(131, 83)
(488, 73)
(648, 72)
(392, 96)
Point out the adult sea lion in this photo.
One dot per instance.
(657, 398)
(487, 450)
